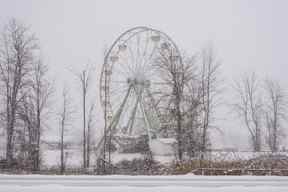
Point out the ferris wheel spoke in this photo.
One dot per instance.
(125, 66)
(152, 71)
(147, 60)
(117, 100)
(117, 93)
(132, 116)
(142, 53)
(147, 42)
(156, 78)
(121, 82)
(128, 110)
(132, 60)
(135, 50)
(125, 63)
(118, 83)
(122, 72)
(138, 51)
(160, 83)
(131, 55)
(117, 88)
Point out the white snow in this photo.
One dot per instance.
(41, 183)
(73, 158)
(59, 188)
(117, 157)
(51, 158)
(163, 146)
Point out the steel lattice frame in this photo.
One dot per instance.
(130, 83)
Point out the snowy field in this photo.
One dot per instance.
(51, 158)
(191, 183)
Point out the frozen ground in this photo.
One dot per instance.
(28, 183)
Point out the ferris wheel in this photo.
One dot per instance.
(132, 86)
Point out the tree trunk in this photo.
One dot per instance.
(88, 146)
(84, 124)
(62, 167)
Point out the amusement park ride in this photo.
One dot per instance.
(133, 90)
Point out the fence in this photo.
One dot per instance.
(240, 163)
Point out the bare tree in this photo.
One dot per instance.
(42, 90)
(33, 109)
(26, 113)
(193, 96)
(84, 77)
(66, 115)
(89, 127)
(209, 91)
(177, 76)
(193, 117)
(275, 113)
(18, 47)
(250, 107)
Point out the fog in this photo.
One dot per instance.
(247, 35)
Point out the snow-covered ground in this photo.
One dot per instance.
(191, 183)
(118, 157)
(73, 158)
(51, 158)
(141, 189)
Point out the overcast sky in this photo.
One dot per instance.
(248, 35)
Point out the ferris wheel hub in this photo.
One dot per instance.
(138, 81)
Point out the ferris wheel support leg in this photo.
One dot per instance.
(147, 121)
(115, 121)
(154, 106)
(132, 118)
(149, 155)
